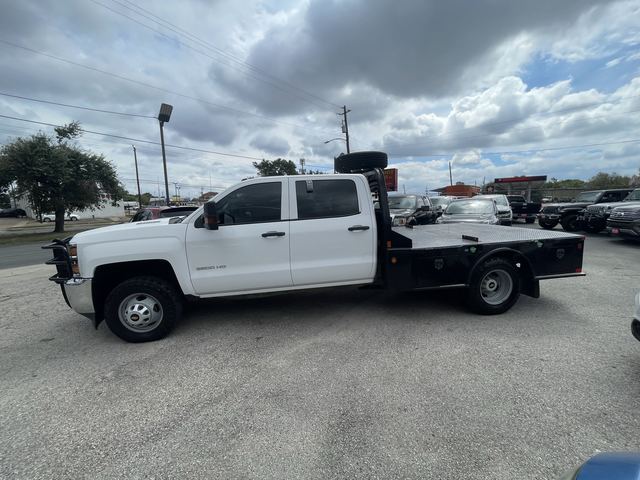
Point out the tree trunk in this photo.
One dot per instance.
(59, 219)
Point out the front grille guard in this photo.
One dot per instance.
(61, 259)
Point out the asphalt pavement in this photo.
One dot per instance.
(337, 383)
(24, 254)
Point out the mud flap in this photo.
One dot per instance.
(530, 287)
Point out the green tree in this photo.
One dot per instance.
(279, 166)
(56, 175)
(608, 180)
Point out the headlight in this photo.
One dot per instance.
(73, 253)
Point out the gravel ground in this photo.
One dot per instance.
(338, 383)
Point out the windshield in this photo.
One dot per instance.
(500, 199)
(437, 201)
(402, 202)
(588, 197)
(633, 196)
(470, 207)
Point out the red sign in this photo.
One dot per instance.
(391, 179)
(536, 178)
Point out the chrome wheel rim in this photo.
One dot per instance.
(496, 287)
(140, 312)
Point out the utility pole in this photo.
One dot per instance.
(450, 176)
(345, 126)
(135, 160)
(302, 166)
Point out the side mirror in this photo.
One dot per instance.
(210, 216)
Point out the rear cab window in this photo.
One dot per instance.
(326, 198)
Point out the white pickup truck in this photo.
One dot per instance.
(274, 234)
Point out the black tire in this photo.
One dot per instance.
(479, 295)
(46, 219)
(529, 220)
(360, 161)
(570, 223)
(164, 296)
(547, 225)
(74, 219)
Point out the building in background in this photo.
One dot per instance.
(459, 190)
(106, 209)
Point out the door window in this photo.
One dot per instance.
(256, 203)
(326, 198)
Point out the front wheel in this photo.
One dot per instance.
(142, 309)
(46, 219)
(494, 287)
(547, 224)
(570, 223)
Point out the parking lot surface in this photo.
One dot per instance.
(339, 383)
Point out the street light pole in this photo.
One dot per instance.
(164, 116)
(135, 160)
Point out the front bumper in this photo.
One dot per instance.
(627, 229)
(77, 292)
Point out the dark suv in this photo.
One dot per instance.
(625, 221)
(411, 210)
(594, 217)
(566, 214)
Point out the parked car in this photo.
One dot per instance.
(411, 210)
(594, 218)
(505, 215)
(635, 323)
(153, 213)
(523, 210)
(566, 214)
(51, 217)
(286, 233)
(471, 210)
(12, 213)
(440, 203)
(625, 222)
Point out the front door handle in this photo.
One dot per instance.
(357, 228)
(272, 234)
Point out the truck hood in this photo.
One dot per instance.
(568, 204)
(400, 212)
(614, 205)
(131, 231)
(467, 218)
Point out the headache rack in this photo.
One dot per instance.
(61, 259)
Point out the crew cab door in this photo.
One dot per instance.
(333, 231)
(250, 249)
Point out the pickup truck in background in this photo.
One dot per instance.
(523, 210)
(280, 234)
(566, 214)
(594, 218)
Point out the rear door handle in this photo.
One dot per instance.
(272, 234)
(357, 228)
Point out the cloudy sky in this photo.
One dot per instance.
(497, 87)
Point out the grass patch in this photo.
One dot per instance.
(44, 237)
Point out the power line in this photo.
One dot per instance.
(191, 47)
(221, 52)
(155, 87)
(513, 152)
(75, 106)
(137, 139)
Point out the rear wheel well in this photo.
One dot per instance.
(107, 277)
(528, 285)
